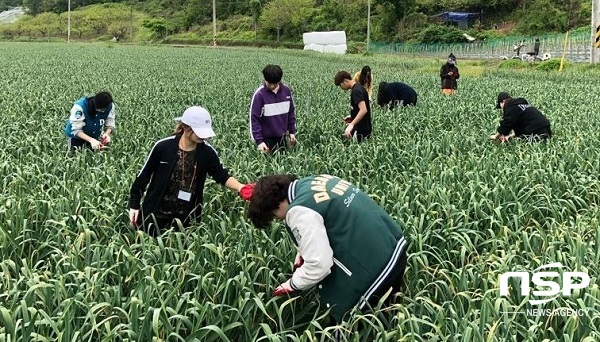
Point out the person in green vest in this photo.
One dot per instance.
(348, 245)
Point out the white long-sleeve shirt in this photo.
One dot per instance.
(308, 229)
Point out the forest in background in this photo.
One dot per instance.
(286, 20)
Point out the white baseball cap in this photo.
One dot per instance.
(199, 120)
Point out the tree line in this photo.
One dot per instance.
(392, 20)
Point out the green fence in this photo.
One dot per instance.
(578, 47)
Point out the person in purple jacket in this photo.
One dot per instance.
(272, 112)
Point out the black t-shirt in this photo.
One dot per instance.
(357, 95)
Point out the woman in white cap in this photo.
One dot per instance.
(174, 173)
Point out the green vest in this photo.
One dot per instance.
(366, 241)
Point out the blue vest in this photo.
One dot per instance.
(94, 121)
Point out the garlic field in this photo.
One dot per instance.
(71, 268)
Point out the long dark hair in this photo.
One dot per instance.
(365, 78)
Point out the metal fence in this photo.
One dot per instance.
(578, 47)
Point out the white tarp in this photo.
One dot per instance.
(314, 47)
(324, 38)
(338, 48)
(329, 42)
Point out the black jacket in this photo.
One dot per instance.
(523, 118)
(391, 93)
(449, 82)
(158, 168)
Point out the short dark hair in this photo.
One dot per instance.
(272, 73)
(268, 194)
(341, 76)
(102, 100)
(382, 95)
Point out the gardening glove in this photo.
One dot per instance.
(348, 131)
(106, 139)
(263, 147)
(246, 191)
(283, 289)
(299, 262)
(133, 216)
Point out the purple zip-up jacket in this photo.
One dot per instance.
(272, 115)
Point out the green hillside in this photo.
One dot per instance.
(286, 20)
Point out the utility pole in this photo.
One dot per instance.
(595, 40)
(214, 42)
(368, 24)
(69, 22)
(131, 23)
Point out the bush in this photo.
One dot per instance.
(442, 34)
(409, 26)
(187, 38)
(357, 47)
(484, 34)
(514, 64)
(550, 65)
(157, 26)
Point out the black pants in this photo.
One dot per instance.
(362, 135)
(541, 135)
(155, 224)
(395, 281)
(76, 143)
(276, 144)
(403, 103)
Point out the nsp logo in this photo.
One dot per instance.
(540, 279)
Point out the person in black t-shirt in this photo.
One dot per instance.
(359, 120)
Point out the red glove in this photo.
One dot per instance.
(283, 289)
(246, 191)
(298, 263)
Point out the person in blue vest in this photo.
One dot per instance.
(91, 122)
(347, 244)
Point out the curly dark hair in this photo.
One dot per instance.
(268, 193)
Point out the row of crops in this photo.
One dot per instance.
(71, 268)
